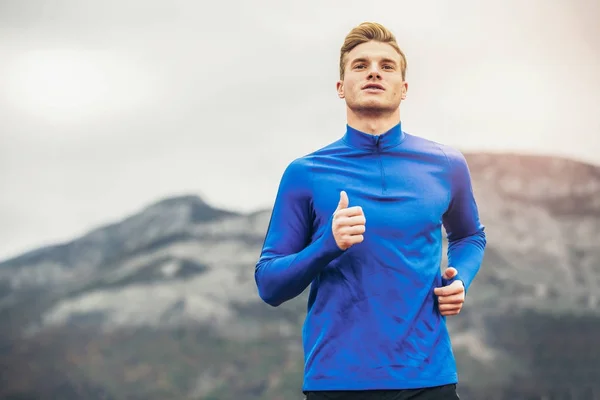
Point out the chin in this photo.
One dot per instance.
(372, 107)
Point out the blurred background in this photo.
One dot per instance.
(142, 143)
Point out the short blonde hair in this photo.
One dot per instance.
(366, 32)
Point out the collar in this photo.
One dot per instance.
(365, 141)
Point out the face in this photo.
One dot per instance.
(373, 79)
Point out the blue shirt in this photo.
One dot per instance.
(372, 320)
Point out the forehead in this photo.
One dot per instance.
(374, 51)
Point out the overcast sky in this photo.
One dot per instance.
(108, 106)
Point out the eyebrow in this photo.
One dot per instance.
(363, 59)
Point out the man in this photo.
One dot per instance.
(360, 220)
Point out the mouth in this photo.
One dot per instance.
(373, 87)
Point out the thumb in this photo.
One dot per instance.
(448, 275)
(343, 201)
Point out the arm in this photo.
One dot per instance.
(288, 263)
(465, 233)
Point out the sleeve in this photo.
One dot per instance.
(465, 233)
(288, 262)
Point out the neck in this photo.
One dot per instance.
(373, 123)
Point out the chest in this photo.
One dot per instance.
(400, 196)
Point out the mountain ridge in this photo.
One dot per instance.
(473, 159)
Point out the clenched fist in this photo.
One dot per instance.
(450, 297)
(348, 223)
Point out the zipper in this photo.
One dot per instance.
(383, 183)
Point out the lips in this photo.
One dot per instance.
(373, 86)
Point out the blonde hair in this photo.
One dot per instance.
(366, 32)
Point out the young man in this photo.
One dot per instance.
(360, 220)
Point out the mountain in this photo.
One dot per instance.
(163, 305)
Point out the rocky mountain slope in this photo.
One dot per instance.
(163, 304)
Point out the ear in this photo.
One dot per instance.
(404, 90)
(340, 89)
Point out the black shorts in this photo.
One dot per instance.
(445, 392)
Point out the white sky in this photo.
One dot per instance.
(107, 106)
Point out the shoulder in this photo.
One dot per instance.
(297, 172)
(295, 182)
(450, 155)
(302, 165)
(456, 159)
(301, 169)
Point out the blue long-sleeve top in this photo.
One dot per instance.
(372, 320)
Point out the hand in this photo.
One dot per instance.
(348, 224)
(451, 297)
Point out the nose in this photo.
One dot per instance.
(374, 72)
